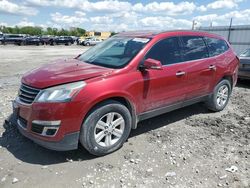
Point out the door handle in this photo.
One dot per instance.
(180, 73)
(212, 67)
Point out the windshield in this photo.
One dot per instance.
(246, 53)
(115, 52)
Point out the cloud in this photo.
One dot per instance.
(118, 15)
(105, 6)
(202, 8)
(24, 23)
(223, 4)
(66, 20)
(101, 6)
(7, 7)
(101, 20)
(80, 14)
(239, 17)
(168, 8)
(165, 23)
(58, 3)
(3, 24)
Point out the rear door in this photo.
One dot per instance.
(167, 86)
(200, 70)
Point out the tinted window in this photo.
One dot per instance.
(166, 51)
(14, 36)
(216, 46)
(98, 34)
(194, 48)
(246, 53)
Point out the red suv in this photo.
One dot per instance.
(99, 96)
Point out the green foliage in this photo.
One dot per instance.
(113, 33)
(40, 31)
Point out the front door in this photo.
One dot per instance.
(167, 86)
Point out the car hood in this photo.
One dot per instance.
(62, 71)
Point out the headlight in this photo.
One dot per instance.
(62, 93)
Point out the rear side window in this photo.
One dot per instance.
(216, 46)
(194, 48)
(167, 51)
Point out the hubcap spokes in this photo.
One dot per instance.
(222, 95)
(109, 129)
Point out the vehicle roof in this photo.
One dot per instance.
(152, 34)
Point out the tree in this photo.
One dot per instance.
(30, 30)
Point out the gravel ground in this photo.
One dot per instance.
(190, 147)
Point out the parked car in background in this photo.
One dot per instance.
(17, 39)
(81, 40)
(32, 40)
(75, 39)
(244, 70)
(63, 40)
(91, 41)
(47, 39)
(1, 37)
(99, 96)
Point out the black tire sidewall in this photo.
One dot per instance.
(220, 84)
(87, 131)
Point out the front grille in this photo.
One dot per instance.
(37, 128)
(27, 94)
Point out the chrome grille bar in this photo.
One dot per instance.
(27, 94)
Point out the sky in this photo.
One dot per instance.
(123, 15)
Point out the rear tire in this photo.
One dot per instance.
(220, 97)
(100, 133)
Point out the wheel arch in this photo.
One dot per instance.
(229, 78)
(128, 103)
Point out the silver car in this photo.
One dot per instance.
(91, 41)
(244, 70)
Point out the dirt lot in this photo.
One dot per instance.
(190, 147)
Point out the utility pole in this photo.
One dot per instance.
(229, 29)
(193, 25)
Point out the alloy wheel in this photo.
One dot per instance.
(222, 95)
(109, 129)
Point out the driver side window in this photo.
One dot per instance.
(167, 51)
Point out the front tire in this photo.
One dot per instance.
(220, 97)
(106, 128)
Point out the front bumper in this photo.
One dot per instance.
(69, 141)
(67, 135)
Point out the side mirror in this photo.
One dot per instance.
(152, 64)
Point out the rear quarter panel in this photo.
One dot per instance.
(227, 65)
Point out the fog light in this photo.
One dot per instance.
(45, 128)
(51, 132)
